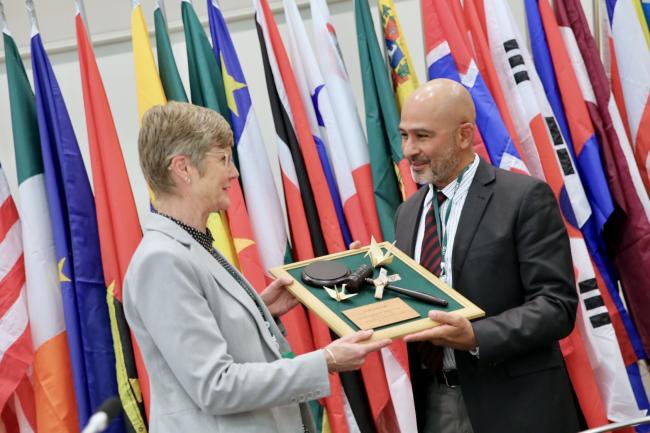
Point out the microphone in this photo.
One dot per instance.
(104, 415)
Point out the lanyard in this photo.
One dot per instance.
(442, 234)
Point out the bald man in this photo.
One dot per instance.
(498, 238)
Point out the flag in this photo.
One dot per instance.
(213, 88)
(576, 92)
(628, 231)
(580, 134)
(550, 59)
(262, 198)
(16, 354)
(55, 404)
(312, 83)
(402, 72)
(324, 128)
(300, 230)
(448, 56)
(523, 88)
(74, 225)
(382, 125)
(339, 90)
(631, 46)
(118, 224)
(148, 87)
(207, 90)
(307, 238)
(169, 76)
(322, 201)
(476, 33)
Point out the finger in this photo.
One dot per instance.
(446, 318)
(358, 336)
(427, 334)
(284, 281)
(355, 245)
(280, 282)
(377, 345)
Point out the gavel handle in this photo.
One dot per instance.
(413, 294)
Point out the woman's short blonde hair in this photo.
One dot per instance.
(178, 128)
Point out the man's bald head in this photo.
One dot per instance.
(437, 127)
(443, 97)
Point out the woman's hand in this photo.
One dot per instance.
(349, 352)
(276, 297)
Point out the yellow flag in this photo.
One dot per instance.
(403, 74)
(147, 81)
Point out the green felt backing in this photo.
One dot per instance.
(410, 280)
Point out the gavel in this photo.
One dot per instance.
(355, 281)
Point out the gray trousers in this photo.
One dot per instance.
(445, 410)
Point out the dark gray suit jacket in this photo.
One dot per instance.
(512, 258)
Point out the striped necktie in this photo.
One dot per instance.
(430, 256)
(428, 355)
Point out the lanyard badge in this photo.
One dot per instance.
(442, 231)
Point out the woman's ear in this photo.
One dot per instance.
(178, 166)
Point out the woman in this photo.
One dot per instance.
(209, 342)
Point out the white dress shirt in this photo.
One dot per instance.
(456, 195)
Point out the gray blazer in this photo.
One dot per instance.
(214, 362)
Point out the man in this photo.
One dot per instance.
(498, 238)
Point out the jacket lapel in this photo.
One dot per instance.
(477, 199)
(220, 274)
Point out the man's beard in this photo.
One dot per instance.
(439, 170)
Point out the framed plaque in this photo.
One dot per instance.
(392, 316)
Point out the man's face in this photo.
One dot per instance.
(429, 144)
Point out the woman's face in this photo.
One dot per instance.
(211, 188)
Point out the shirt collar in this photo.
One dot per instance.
(204, 238)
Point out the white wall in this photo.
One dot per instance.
(109, 22)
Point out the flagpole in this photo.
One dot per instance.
(31, 13)
(597, 26)
(81, 10)
(161, 5)
(3, 20)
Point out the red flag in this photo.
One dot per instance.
(242, 236)
(118, 224)
(16, 354)
(628, 232)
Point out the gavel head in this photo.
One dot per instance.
(357, 278)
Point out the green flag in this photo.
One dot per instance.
(382, 121)
(56, 403)
(171, 79)
(207, 89)
(206, 80)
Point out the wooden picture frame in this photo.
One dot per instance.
(412, 274)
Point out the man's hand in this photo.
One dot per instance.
(349, 352)
(454, 331)
(276, 297)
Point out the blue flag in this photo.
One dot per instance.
(76, 239)
(593, 178)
